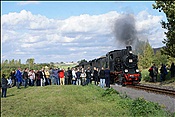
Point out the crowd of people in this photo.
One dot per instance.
(153, 72)
(56, 76)
(73, 76)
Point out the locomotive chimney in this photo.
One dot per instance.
(129, 48)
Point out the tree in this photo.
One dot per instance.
(30, 62)
(168, 7)
(147, 58)
(139, 47)
(160, 58)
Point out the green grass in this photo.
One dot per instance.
(69, 100)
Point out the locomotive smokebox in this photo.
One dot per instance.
(129, 48)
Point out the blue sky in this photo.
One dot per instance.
(62, 31)
(62, 10)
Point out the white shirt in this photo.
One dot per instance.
(31, 75)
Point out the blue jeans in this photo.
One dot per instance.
(25, 82)
(74, 82)
(4, 92)
(53, 80)
(32, 82)
(18, 84)
(57, 81)
(48, 81)
(88, 81)
(102, 83)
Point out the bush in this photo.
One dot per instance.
(141, 107)
(109, 92)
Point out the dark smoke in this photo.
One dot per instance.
(125, 30)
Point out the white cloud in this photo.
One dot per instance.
(146, 22)
(28, 35)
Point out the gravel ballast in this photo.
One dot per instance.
(167, 101)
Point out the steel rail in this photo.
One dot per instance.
(154, 89)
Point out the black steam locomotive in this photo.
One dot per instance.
(122, 64)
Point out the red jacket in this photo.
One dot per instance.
(61, 74)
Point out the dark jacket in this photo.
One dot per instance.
(12, 75)
(69, 73)
(95, 74)
(102, 74)
(4, 82)
(163, 70)
(172, 69)
(25, 75)
(107, 73)
(78, 74)
(88, 73)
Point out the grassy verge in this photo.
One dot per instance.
(54, 101)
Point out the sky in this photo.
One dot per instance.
(72, 31)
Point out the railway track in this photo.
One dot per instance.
(154, 90)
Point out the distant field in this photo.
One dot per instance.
(54, 101)
(64, 66)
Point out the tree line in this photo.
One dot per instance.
(149, 56)
(10, 65)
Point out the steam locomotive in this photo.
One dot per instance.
(122, 64)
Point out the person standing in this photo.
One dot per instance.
(151, 74)
(163, 72)
(43, 77)
(74, 76)
(78, 74)
(107, 77)
(31, 77)
(61, 75)
(69, 75)
(18, 76)
(12, 75)
(38, 79)
(95, 75)
(102, 77)
(51, 76)
(65, 77)
(83, 77)
(4, 83)
(172, 69)
(88, 75)
(47, 77)
(155, 72)
(25, 77)
(55, 76)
